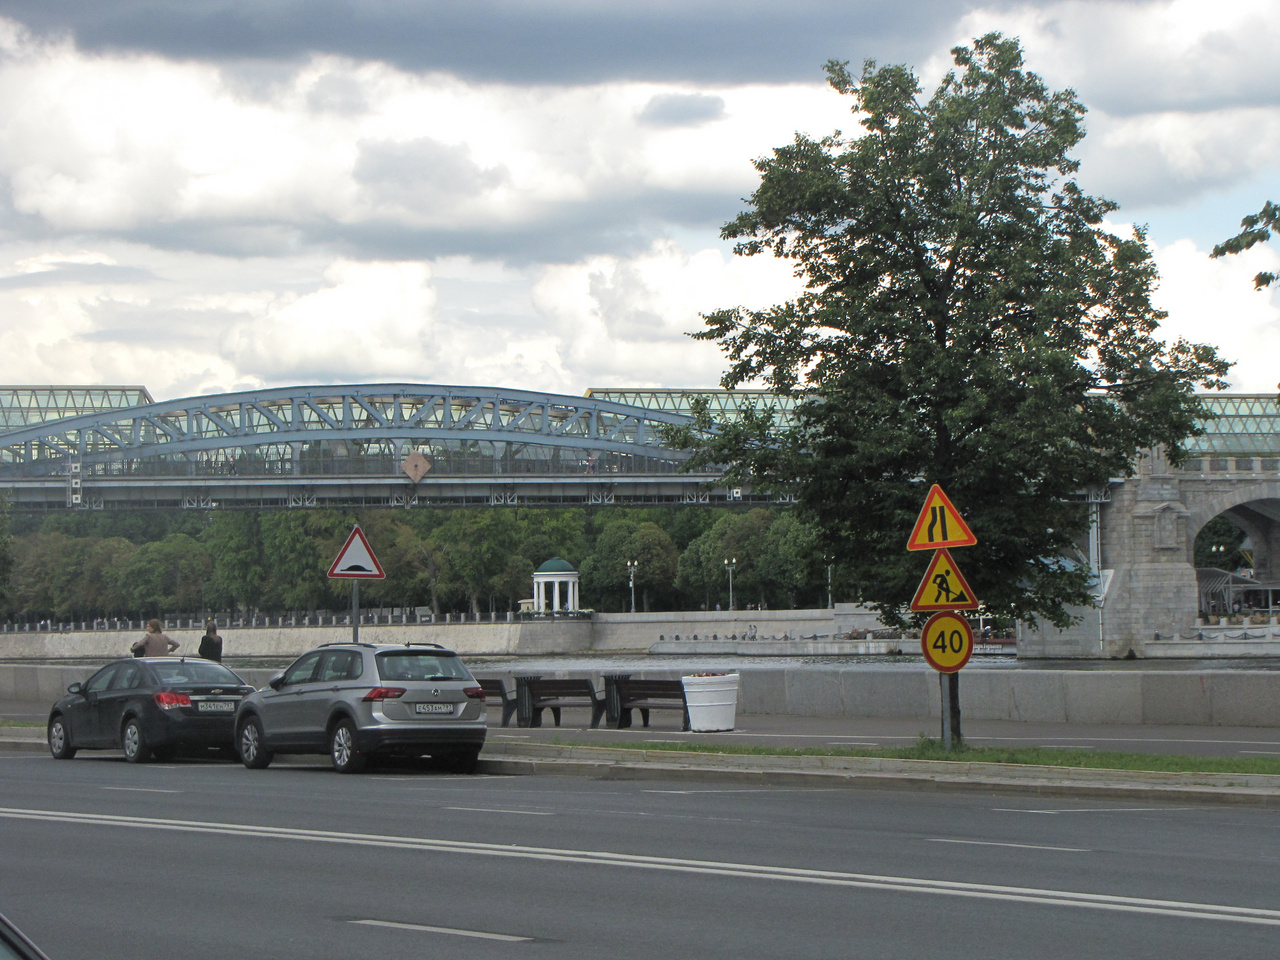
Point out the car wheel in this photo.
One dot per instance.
(342, 748)
(250, 742)
(133, 743)
(462, 761)
(59, 740)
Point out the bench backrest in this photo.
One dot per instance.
(541, 689)
(650, 689)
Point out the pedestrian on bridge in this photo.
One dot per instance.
(211, 643)
(155, 642)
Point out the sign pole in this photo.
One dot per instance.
(355, 611)
(945, 686)
(953, 681)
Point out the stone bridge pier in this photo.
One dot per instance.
(1143, 546)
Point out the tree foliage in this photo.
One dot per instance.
(966, 320)
(1256, 228)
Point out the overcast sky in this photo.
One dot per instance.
(212, 195)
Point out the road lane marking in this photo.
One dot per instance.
(738, 871)
(1265, 753)
(1089, 810)
(1020, 846)
(478, 934)
(140, 789)
(744, 790)
(527, 813)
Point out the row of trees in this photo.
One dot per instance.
(85, 566)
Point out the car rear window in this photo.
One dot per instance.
(420, 665)
(195, 671)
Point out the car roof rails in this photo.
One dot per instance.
(349, 643)
(423, 643)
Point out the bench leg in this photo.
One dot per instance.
(687, 724)
(535, 717)
(644, 715)
(508, 711)
(555, 712)
(597, 713)
(624, 718)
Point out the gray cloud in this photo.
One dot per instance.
(77, 273)
(682, 110)
(424, 173)
(574, 41)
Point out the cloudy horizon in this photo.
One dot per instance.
(211, 195)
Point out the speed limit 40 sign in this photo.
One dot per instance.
(947, 642)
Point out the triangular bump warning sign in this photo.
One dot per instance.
(356, 560)
(940, 524)
(944, 587)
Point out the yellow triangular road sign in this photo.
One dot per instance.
(940, 524)
(943, 587)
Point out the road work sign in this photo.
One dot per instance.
(943, 587)
(939, 525)
(947, 642)
(356, 560)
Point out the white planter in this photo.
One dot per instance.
(712, 702)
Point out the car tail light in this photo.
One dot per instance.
(385, 693)
(171, 701)
(475, 693)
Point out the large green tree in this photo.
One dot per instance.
(966, 319)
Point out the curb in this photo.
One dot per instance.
(527, 759)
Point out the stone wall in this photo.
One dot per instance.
(1207, 698)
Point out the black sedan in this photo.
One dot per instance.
(149, 706)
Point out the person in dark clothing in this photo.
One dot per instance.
(211, 643)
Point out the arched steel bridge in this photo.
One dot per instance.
(355, 445)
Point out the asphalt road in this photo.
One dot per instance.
(102, 859)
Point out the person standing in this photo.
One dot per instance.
(211, 643)
(155, 642)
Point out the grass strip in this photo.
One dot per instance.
(927, 748)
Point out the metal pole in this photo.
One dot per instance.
(355, 611)
(953, 682)
(945, 688)
(830, 605)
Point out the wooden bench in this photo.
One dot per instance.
(496, 689)
(646, 695)
(539, 695)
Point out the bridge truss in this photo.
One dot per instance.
(348, 446)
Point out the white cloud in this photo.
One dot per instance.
(624, 322)
(1213, 301)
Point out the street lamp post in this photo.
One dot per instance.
(631, 570)
(729, 565)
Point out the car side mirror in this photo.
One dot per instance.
(276, 682)
(75, 687)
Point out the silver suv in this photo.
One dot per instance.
(356, 700)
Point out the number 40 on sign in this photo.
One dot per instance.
(947, 642)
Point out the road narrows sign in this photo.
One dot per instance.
(356, 560)
(939, 525)
(943, 587)
(947, 642)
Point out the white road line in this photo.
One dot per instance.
(1090, 810)
(140, 789)
(527, 813)
(1267, 753)
(478, 934)
(737, 871)
(746, 790)
(1020, 846)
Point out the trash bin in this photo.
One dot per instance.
(712, 700)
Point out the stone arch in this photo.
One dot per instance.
(1254, 507)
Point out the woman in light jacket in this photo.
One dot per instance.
(155, 642)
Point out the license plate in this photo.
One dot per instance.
(217, 706)
(433, 708)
